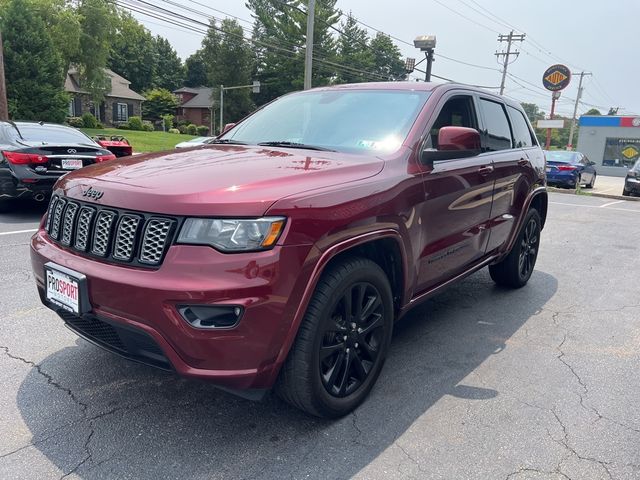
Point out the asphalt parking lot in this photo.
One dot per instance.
(481, 383)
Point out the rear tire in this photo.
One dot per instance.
(516, 268)
(342, 341)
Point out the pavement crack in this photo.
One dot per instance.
(356, 439)
(83, 406)
(409, 456)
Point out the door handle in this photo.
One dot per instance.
(523, 162)
(485, 170)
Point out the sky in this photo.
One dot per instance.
(586, 35)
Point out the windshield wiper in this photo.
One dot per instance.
(295, 145)
(225, 141)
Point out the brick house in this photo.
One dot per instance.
(195, 105)
(119, 103)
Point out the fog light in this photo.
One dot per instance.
(211, 316)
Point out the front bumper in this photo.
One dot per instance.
(632, 185)
(268, 285)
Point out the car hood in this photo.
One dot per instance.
(214, 180)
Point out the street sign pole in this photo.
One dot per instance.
(554, 96)
(555, 78)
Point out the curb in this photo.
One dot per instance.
(587, 193)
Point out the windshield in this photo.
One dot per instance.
(52, 134)
(342, 120)
(560, 156)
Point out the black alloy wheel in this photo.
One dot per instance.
(351, 341)
(529, 248)
(515, 269)
(342, 341)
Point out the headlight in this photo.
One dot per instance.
(231, 235)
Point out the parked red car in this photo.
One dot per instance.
(283, 255)
(116, 144)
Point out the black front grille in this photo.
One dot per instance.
(112, 234)
(126, 341)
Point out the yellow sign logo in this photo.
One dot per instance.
(555, 78)
(630, 152)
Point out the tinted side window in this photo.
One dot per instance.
(458, 111)
(498, 133)
(521, 133)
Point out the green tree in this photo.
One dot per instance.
(34, 69)
(354, 52)
(388, 62)
(159, 103)
(228, 61)
(279, 37)
(63, 24)
(97, 28)
(533, 112)
(169, 71)
(195, 70)
(133, 52)
(593, 111)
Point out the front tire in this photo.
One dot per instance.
(592, 182)
(342, 341)
(516, 268)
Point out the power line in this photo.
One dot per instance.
(160, 13)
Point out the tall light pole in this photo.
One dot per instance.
(308, 53)
(426, 44)
(575, 110)
(255, 86)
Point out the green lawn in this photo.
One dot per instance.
(143, 141)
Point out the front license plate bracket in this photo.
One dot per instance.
(84, 306)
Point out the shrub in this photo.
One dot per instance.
(89, 121)
(135, 123)
(147, 126)
(75, 122)
(174, 130)
(192, 129)
(202, 130)
(167, 120)
(100, 125)
(182, 128)
(124, 126)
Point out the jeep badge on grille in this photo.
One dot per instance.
(92, 193)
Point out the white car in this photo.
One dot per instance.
(194, 142)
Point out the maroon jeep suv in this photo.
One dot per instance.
(281, 256)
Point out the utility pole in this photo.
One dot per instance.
(575, 110)
(308, 54)
(4, 109)
(509, 39)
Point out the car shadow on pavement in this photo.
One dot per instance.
(100, 416)
(25, 211)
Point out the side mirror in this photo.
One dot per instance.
(454, 142)
(228, 127)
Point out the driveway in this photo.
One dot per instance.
(480, 383)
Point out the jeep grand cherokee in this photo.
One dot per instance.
(282, 255)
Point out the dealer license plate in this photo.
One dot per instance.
(64, 289)
(71, 164)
